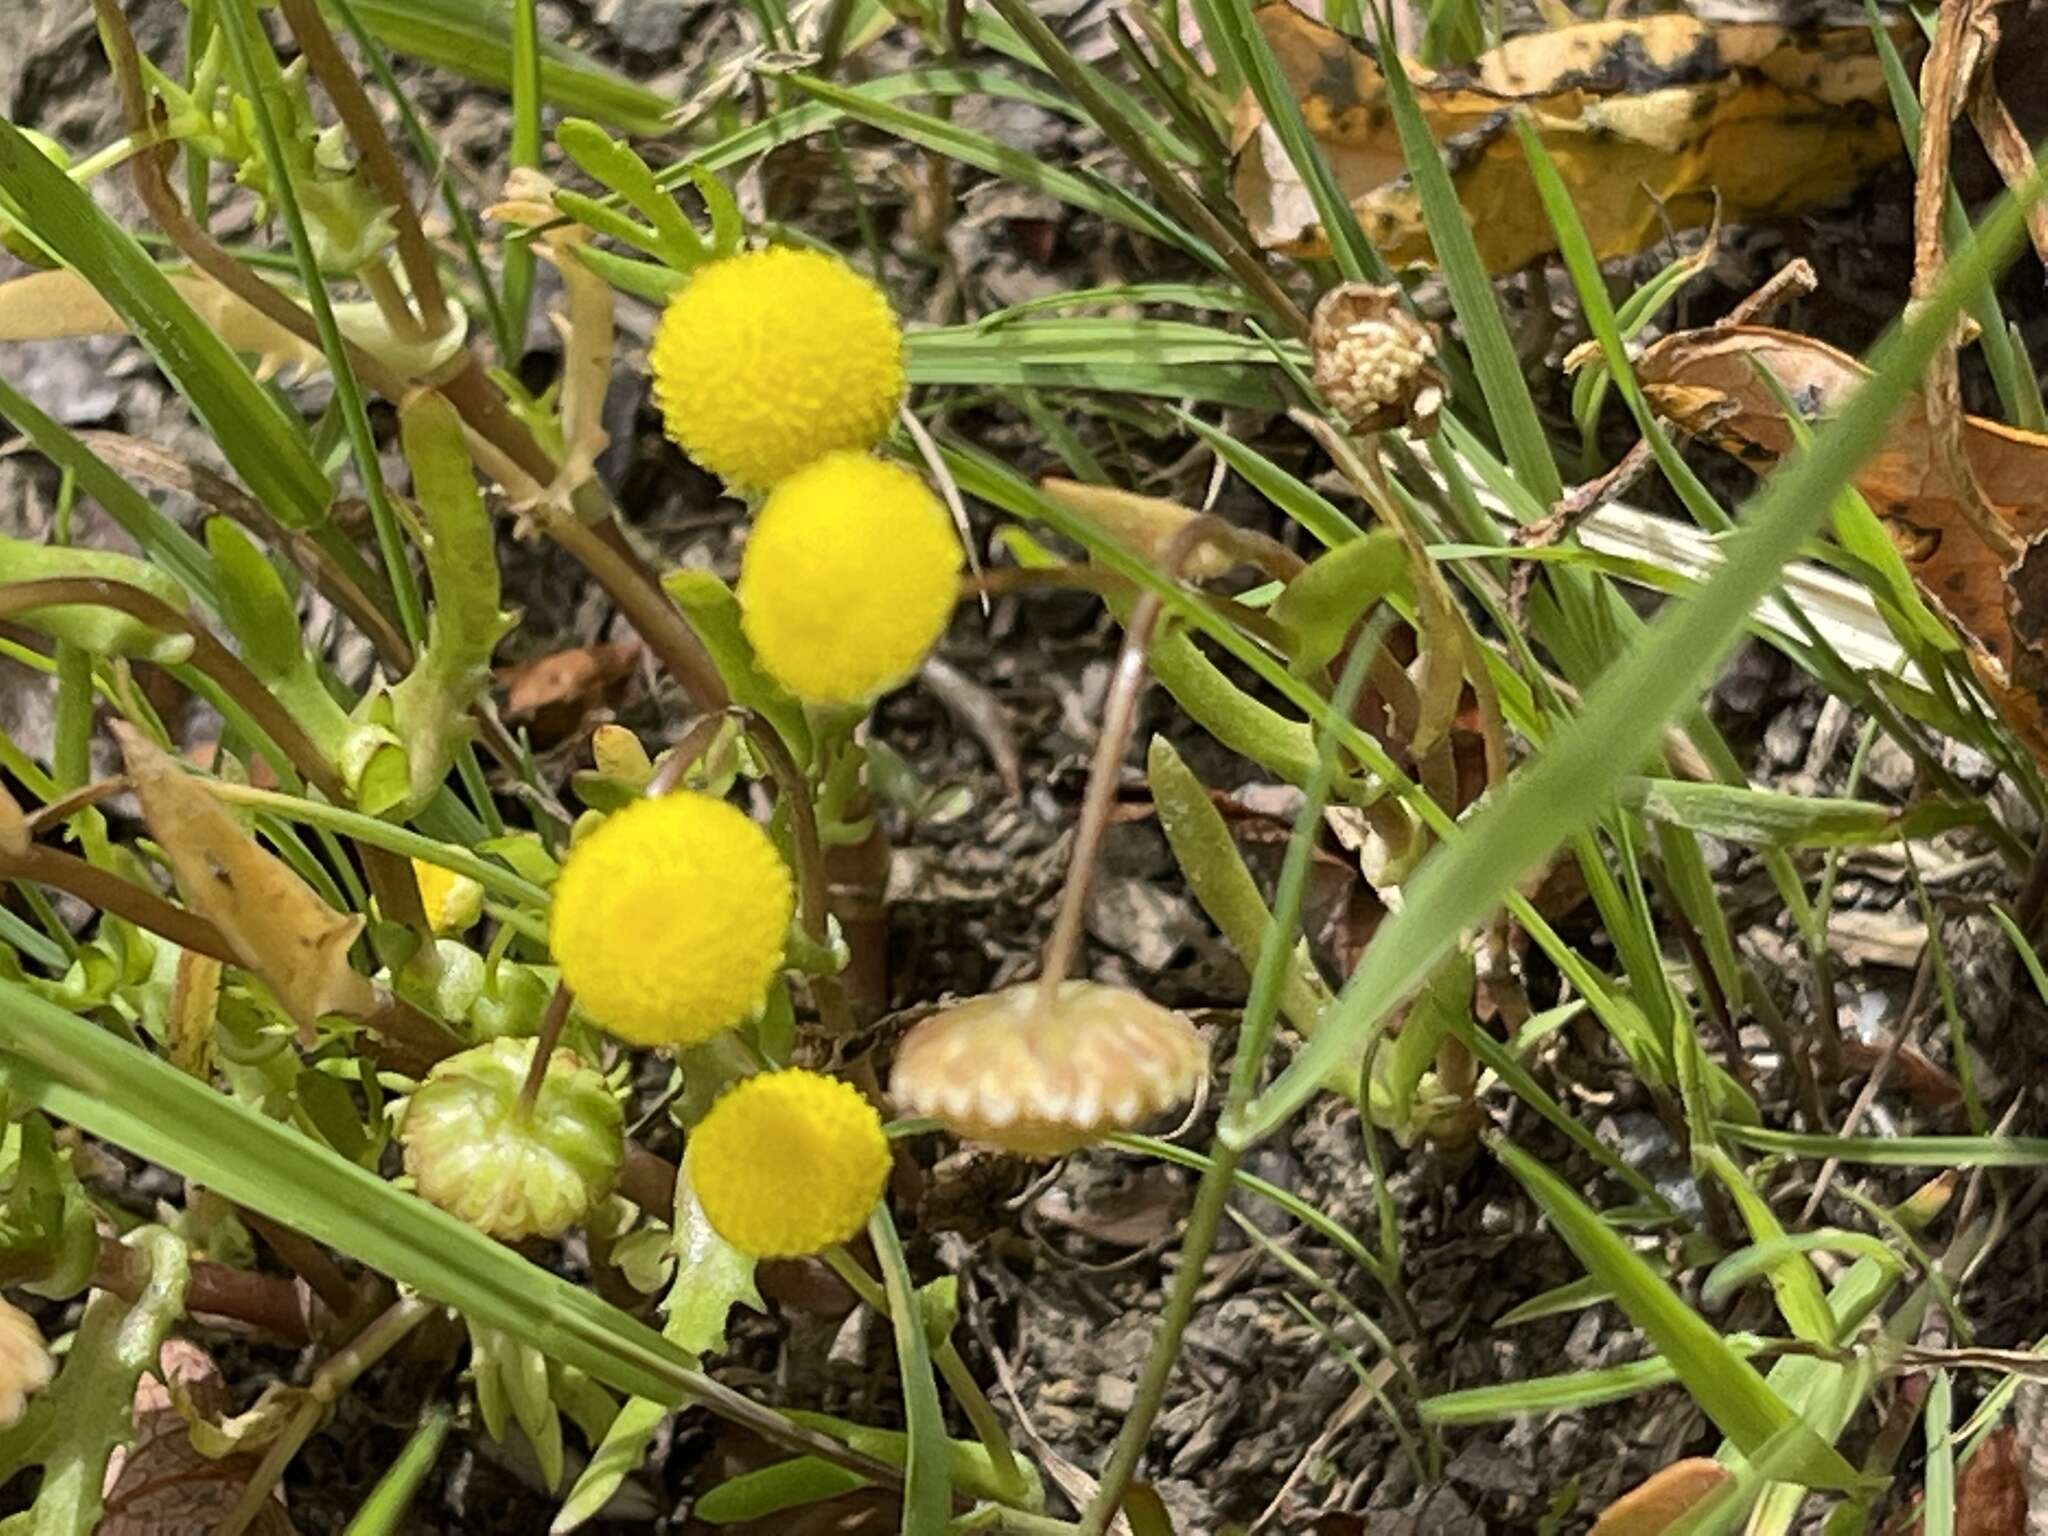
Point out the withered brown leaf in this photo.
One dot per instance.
(1649, 121)
(276, 924)
(1990, 581)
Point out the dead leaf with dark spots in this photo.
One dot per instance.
(1659, 1500)
(1652, 122)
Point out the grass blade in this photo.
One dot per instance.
(1726, 1387)
(927, 1463)
(473, 38)
(1625, 709)
(267, 449)
(1471, 286)
(1899, 1151)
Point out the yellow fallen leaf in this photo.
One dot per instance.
(1649, 121)
(275, 923)
(54, 305)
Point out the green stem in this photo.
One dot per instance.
(1254, 1040)
(388, 836)
(966, 1390)
(245, 36)
(517, 279)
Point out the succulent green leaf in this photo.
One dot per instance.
(714, 613)
(1324, 603)
(265, 622)
(1216, 873)
(606, 160)
(429, 707)
(102, 631)
(72, 1427)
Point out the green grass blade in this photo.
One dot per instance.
(1626, 707)
(1746, 1264)
(1726, 1387)
(927, 1464)
(85, 1076)
(1572, 1392)
(383, 1512)
(249, 47)
(1090, 193)
(517, 281)
(1471, 287)
(1355, 256)
(265, 447)
(183, 556)
(1938, 1509)
(473, 38)
(1771, 818)
(1801, 1301)
(1898, 1151)
(1164, 358)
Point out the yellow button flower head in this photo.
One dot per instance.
(788, 1163)
(669, 919)
(849, 577)
(768, 359)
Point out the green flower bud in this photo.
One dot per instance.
(476, 1152)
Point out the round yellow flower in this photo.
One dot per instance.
(768, 359)
(849, 578)
(452, 902)
(788, 1163)
(669, 919)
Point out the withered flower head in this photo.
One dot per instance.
(1373, 362)
(1043, 1080)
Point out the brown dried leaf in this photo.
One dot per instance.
(1707, 381)
(1657, 1502)
(49, 306)
(554, 692)
(1991, 1499)
(161, 1485)
(278, 927)
(1649, 120)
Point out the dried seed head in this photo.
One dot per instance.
(1374, 363)
(1042, 1081)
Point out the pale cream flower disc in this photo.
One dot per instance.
(999, 1069)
